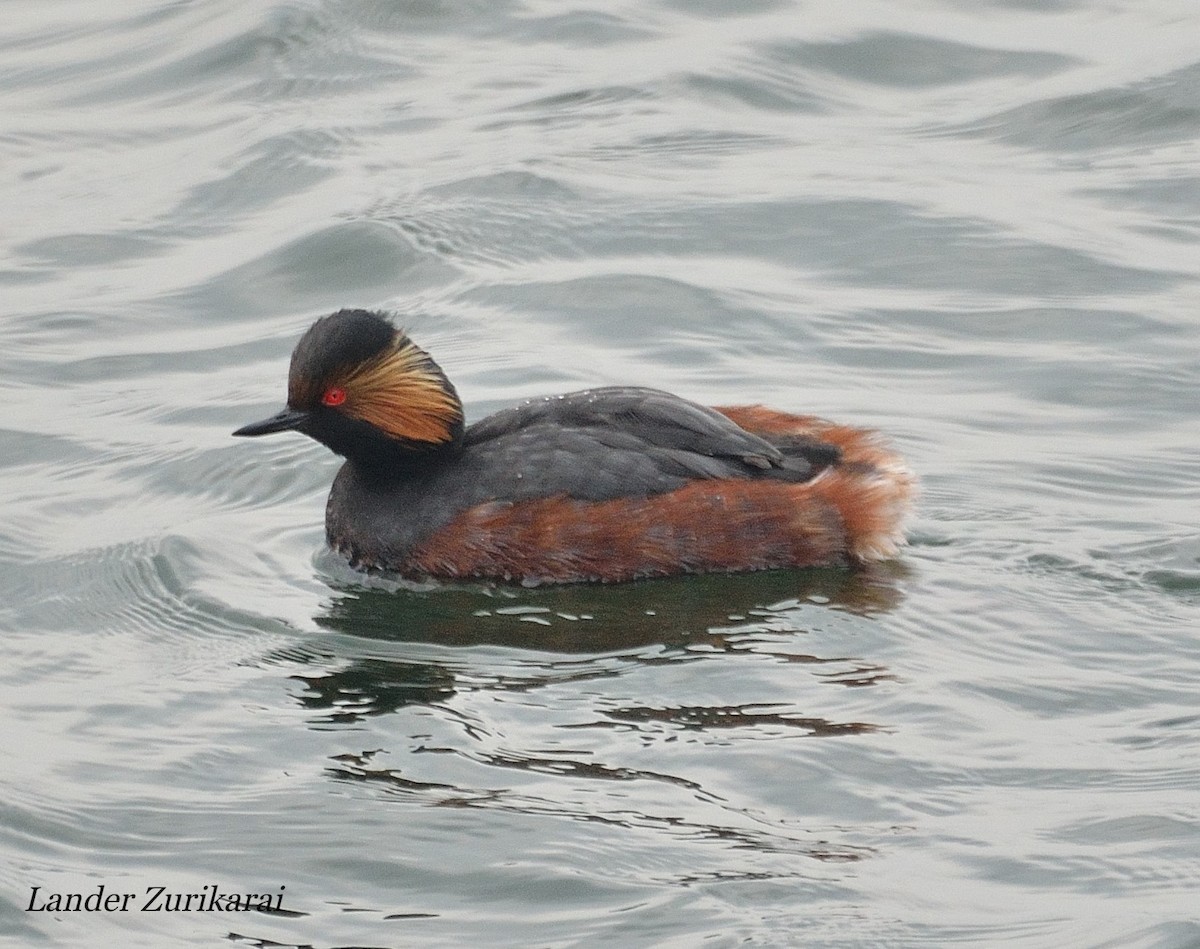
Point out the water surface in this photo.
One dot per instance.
(972, 225)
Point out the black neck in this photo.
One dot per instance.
(373, 450)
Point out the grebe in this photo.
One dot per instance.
(607, 484)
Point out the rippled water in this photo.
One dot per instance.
(974, 225)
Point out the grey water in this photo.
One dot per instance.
(974, 226)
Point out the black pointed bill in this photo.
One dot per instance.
(285, 421)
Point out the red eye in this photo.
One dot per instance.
(335, 395)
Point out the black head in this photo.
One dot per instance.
(363, 388)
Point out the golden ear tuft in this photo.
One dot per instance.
(402, 392)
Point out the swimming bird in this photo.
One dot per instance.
(607, 484)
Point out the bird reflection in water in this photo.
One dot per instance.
(666, 620)
(387, 653)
